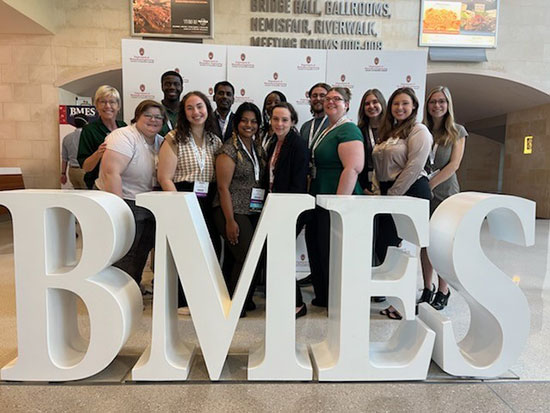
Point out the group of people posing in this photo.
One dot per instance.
(231, 161)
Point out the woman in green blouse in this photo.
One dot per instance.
(337, 158)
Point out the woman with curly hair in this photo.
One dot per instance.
(186, 162)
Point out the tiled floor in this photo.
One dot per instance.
(531, 392)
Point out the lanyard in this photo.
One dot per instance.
(432, 154)
(225, 123)
(323, 134)
(314, 132)
(200, 155)
(273, 162)
(254, 160)
(371, 137)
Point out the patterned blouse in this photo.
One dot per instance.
(243, 180)
(187, 168)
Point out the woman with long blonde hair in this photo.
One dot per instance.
(444, 161)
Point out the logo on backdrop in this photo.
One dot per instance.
(243, 63)
(210, 91)
(210, 62)
(303, 101)
(275, 82)
(242, 96)
(142, 93)
(141, 57)
(376, 67)
(343, 82)
(308, 65)
(409, 83)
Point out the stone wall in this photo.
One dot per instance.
(528, 176)
(88, 38)
(30, 65)
(479, 167)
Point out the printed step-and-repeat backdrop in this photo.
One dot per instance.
(256, 71)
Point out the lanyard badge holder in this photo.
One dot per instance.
(258, 194)
(200, 188)
(431, 158)
(317, 142)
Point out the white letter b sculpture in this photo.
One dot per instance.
(48, 279)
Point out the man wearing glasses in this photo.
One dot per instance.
(313, 127)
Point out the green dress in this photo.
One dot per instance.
(327, 162)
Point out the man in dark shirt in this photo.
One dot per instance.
(313, 127)
(172, 87)
(224, 96)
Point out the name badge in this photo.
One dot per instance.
(434, 173)
(313, 172)
(257, 199)
(200, 189)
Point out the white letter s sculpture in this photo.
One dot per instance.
(499, 311)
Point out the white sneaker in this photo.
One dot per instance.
(184, 311)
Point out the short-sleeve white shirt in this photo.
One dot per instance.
(140, 173)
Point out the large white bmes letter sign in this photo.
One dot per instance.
(48, 278)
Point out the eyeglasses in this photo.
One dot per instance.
(103, 102)
(334, 99)
(155, 117)
(439, 101)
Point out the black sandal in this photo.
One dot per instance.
(427, 295)
(440, 300)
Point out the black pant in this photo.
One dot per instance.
(207, 212)
(134, 261)
(247, 226)
(318, 249)
(387, 234)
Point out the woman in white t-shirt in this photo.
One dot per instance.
(127, 169)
